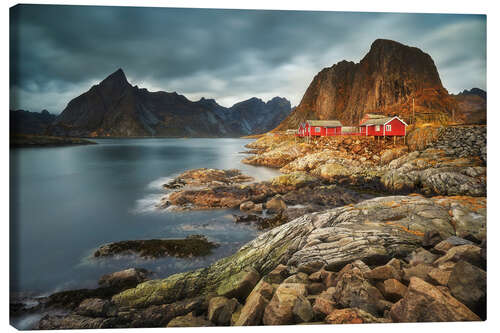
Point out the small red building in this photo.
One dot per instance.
(387, 126)
(320, 128)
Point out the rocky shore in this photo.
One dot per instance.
(387, 259)
(339, 248)
(452, 163)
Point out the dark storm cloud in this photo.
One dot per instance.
(58, 52)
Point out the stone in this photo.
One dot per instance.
(439, 276)
(96, 307)
(354, 291)
(469, 253)
(420, 270)
(467, 283)
(425, 303)
(278, 274)
(189, 320)
(323, 305)
(125, 279)
(220, 310)
(443, 246)
(302, 310)
(239, 285)
(280, 311)
(247, 206)
(315, 288)
(251, 313)
(352, 316)
(383, 273)
(394, 290)
(275, 205)
(421, 256)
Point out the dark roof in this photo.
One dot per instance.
(324, 123)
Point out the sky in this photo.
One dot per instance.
(59, 52)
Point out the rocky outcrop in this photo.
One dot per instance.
(307, 291)
(386, 80)
(374, 231)
(207, 177)
(116, 108)
(191, 246)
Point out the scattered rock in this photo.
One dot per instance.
(220, 310)
(425, 303)
(281, 310)
(393, 290)
(191, 246)
(125, 279)
(275, 205)
(467, 283)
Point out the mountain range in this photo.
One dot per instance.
(116, 108)
(390, 79)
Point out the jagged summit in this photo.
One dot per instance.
(116, 108)
(385, 81)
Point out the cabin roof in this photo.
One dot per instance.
(381, 121)
(324, 123)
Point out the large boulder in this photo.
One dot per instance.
(220, 310)
(354, 291)
(425, 303)
(393, 290)
(275, 205)
(289, 305)
(467, 283)
(468, 252)
(125, 279)
(251, 313)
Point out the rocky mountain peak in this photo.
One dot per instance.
(386, 81)
(116, 78)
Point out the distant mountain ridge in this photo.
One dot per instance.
(26, 122)
(116, 108)
(472, 105)
(389, 78)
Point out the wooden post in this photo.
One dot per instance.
(413, 101)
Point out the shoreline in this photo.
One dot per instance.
(195, 280)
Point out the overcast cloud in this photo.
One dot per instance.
(59, 52)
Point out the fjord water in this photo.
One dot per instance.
(67, 201)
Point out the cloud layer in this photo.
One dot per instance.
(58, 52)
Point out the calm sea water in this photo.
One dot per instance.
(67, 201)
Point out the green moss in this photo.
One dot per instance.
(191, 246)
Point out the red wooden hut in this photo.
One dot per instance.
(387, 126)
(320, 128)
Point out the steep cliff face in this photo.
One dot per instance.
(385, 81)
(116, 108)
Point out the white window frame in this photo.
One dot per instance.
(318, 129)
(387, 128)
(377, 128)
